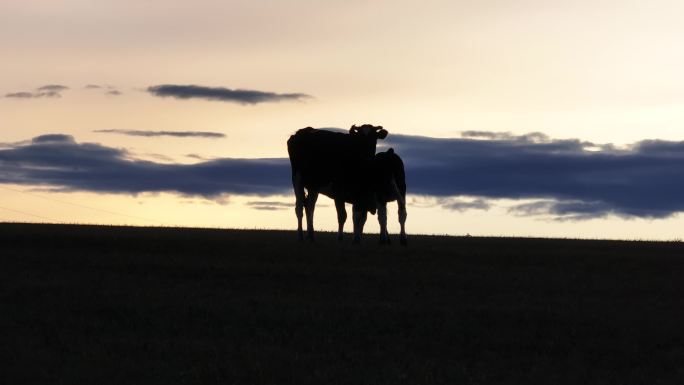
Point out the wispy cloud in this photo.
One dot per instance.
(222, 94)
(565, 210)
(269, 205)
(459, 204)
(53, 88)
(177, 134)
(106, 89)
(464, 205)
(20, 95)
(198, 157)
(46, 91)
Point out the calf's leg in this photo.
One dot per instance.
(401, 202)
(382, 220)
(341, 217)
(402, 221)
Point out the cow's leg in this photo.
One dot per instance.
(341, 217)
(300, 198)
(359, 218)
(382, 220)
(310, 205)
(402, 219)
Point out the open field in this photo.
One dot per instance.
(117, 305)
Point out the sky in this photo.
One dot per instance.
(527, 118)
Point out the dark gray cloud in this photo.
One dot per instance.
(221, 94)
(58, 161)
(565, 179)
(573, 179)
(114, 92)
(92, 86)
(178, 134)
(565, 210)
(46, 91)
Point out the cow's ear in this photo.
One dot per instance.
(353, 129)
(382, 133)
(390, 151)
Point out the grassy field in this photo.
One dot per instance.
(120, 305)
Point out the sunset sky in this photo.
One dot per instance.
(514, 118)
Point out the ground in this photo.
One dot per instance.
(125, 305)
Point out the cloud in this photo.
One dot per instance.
(221, 94)
(199, 157)
(270, 205)
(462, 205)
(106, 89)
(562, 179)
(58, 161)
(178, 134)
(19, 95)
(47, 91)
(53, 88)
(450, 203)
(574, 179)
(53, 138)
(565, 210)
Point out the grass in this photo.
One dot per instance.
(125, 305)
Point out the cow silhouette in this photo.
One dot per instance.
(339, 165)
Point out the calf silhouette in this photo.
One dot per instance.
(334, 163)
(387, 184)
(390, 185)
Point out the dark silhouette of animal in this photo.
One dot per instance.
(340, 165)
(388, 184)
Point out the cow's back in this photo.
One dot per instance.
(319, 156)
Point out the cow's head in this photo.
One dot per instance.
(369, 130)
(367, 136)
